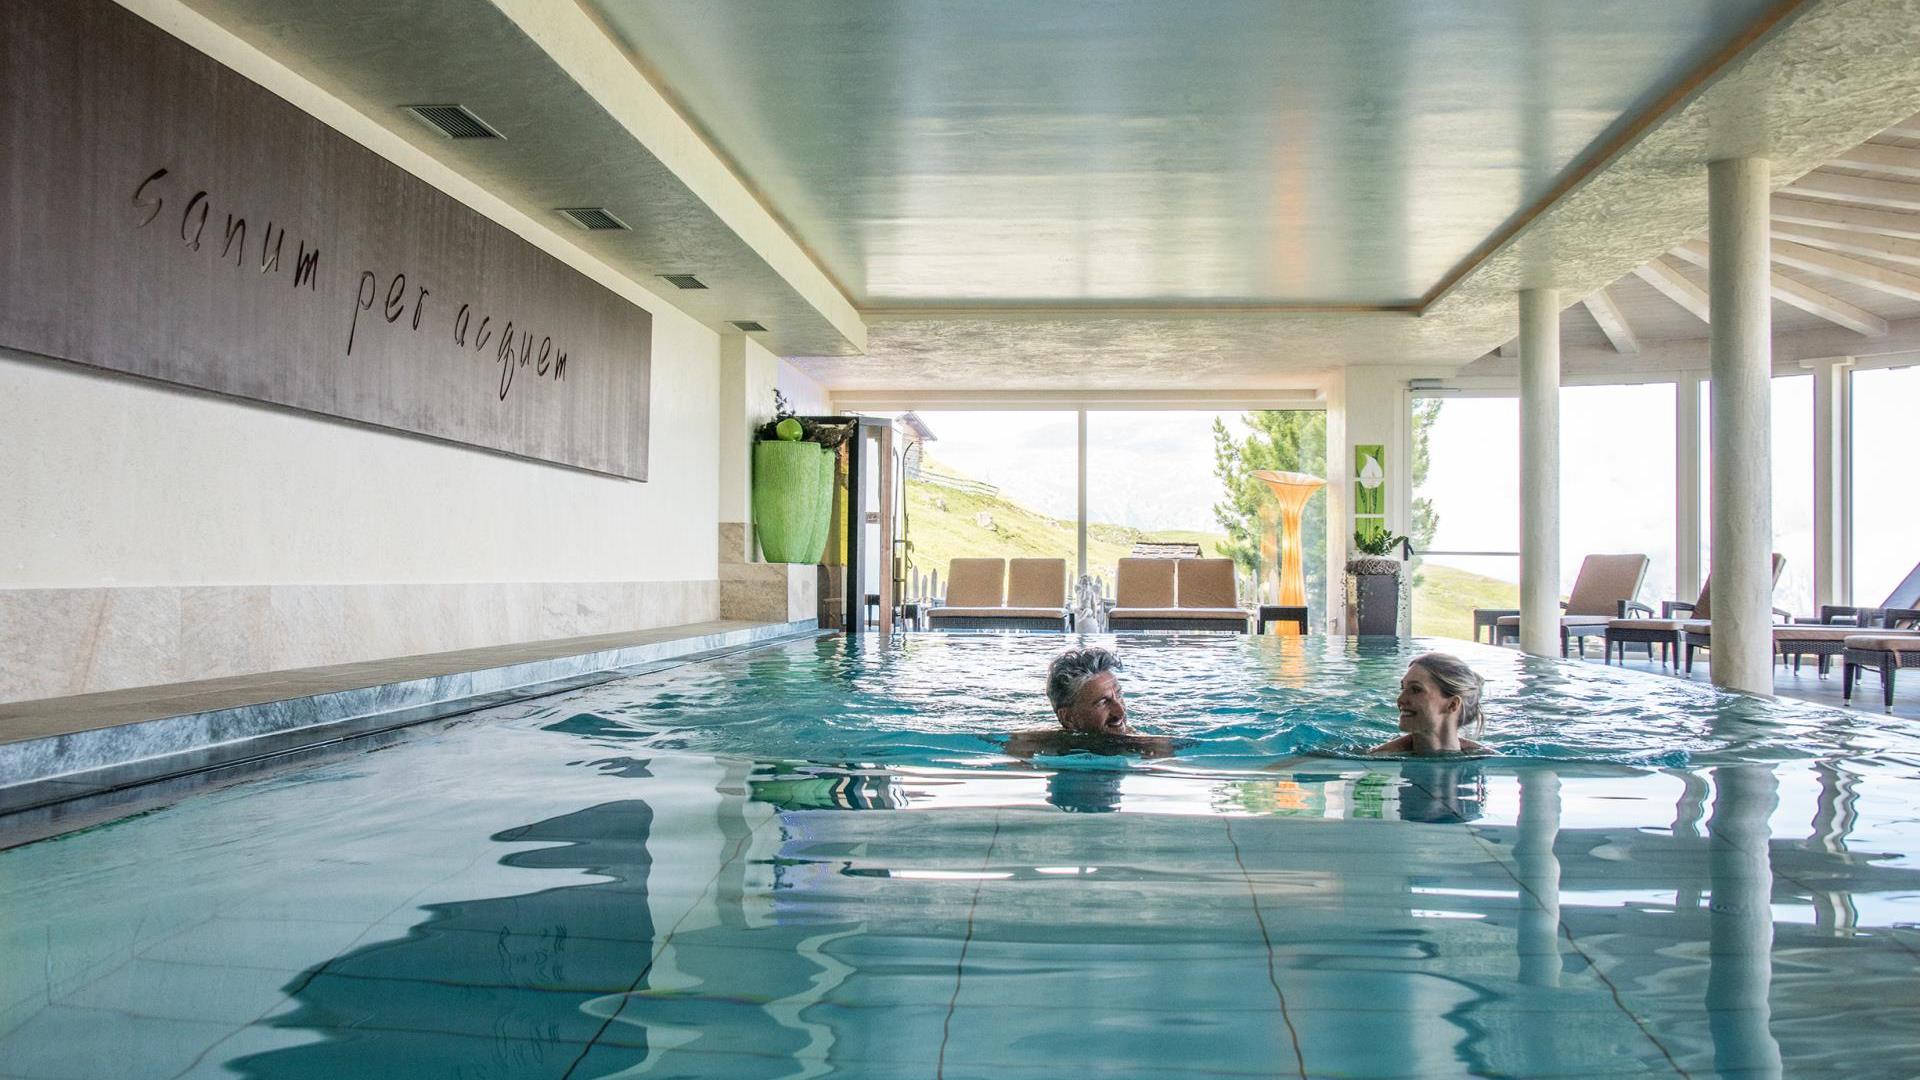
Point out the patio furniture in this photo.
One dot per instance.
(1697, 632)
(1886, 651)
(1904, 595)
(1602, 590)
(976, 589)
(1488, 619)
(1035, 597)
(1279, 613)
(1176, 594)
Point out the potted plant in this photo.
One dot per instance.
(793, 466)
(1379, 589)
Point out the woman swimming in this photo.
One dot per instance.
(1439, 696)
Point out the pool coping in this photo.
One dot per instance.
(349, 701)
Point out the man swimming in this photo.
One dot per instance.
(1084, 689)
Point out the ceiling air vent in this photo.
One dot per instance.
(684, 281)
(749, 326)
(592, 218)
(453, 121)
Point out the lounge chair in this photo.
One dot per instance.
(1825, 637)
(1604, 587)
(1670, 632)
(976, 589)
(1886, 650)
(1176, 594)
(1699, 633)
(1035, 598)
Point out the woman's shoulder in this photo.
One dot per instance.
(1396, 745)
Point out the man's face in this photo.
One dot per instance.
(1099, 708)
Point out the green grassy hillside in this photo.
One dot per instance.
(1445, 597)
(944, 524)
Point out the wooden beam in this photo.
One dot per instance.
(1893, 194)
(1905, 129)
(1613, 322)
(1848, 269)
(1873, 157)
(1845, 242)
(1675, 287)
(1799, 294)
(1827, 215)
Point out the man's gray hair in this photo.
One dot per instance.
(1071, 670)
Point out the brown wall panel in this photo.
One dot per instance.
(164, 217)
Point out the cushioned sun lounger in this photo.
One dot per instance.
(1886, 651)
(1602, 590)
(1036, 596)
(1176, 594)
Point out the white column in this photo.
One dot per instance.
(1741, 351)
(1080, 544)
(1686, 488)
(1832, 480)
(1540, 471)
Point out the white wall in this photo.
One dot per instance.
(155, 535)
(116, 482)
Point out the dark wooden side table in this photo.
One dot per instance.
(1277, 613)
(1488, 619)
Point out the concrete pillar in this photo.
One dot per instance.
(1686, 487)
(1741, 352)
(1832, 480)
(1540, 471)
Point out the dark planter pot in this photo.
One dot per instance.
(1379, 600)
(792, 499)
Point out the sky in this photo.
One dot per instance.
(1155, 471)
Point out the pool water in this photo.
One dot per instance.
(814, 860)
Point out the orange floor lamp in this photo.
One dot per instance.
(1280, 546)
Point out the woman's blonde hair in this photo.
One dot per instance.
(1458, 680)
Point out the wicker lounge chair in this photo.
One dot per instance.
(1886, 650)
(1825, 637)
(1697, 633)
(1176, 594)
(1667, 631)
(1604, 587)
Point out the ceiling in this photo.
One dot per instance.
(1261, 152)
(1123, 195)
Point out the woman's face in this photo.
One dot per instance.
(1424, 707)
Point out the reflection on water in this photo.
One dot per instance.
(555, 893)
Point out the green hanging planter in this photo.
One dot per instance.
(792, 485)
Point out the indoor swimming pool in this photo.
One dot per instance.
(815, 859)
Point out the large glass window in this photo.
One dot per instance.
(994, 484)
(1886, 516)
(1466, 499)
(1616, 479)
(1162, 482)
(1791, 453)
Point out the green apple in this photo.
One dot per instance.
(789, 430)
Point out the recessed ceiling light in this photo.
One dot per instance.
(592, 218)
(684, 281)
(749, 326)
(453, 121)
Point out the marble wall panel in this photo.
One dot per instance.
(55, 642)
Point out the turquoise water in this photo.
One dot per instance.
(815, 860)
